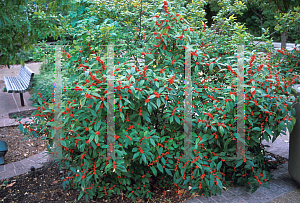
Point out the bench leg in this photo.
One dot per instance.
(22, 99)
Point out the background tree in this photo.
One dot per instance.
(281, 8)
(261, 15)
(289, 22)
(24, 22)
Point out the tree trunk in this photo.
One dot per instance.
(283, 39)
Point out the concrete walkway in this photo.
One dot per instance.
(282, 189)
(10, 103)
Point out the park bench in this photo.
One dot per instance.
(19, 83)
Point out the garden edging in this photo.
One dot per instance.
(23, 166)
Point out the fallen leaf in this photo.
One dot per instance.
(54, 182)
(9, 185)
(181, 191)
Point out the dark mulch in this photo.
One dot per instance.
(45, 185)
(19, 149)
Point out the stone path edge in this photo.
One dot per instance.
(20, 167)
(7, 122)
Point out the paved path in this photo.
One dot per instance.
(10, 103)
(277, 45)
(282, 189)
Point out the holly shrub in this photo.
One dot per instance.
(149, 114)
(289, 60)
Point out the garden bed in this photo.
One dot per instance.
(44, 185)
(18, 149)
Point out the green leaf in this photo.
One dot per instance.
(294, 120)
(98, 106)
(160, 151)
(171, 119)
(164, 31)
(160, 89)
(212, 180)
(221, 130)
(22, 62)
(163, 160)
(135, 155)
(168, 171)
(199, 165)
(219, 165)
(144, 158)
(152, 142)
(228, 108)
(159, 166)
(150, 56)
(239, 163)
(64, 185)
(146, 118)
(34, 134)
(151, 97)
(127, 101)
(98, 126)
(257, 128)
(96, 138)
(186, 181)
(82, 102)
(21, 127)
(93, 112)
(219, 184)
(149, 108)
(154, 171)
(269, 131)
(158, 102)
(122, 116)
(214, 129)
(81, 194)
(211, 66)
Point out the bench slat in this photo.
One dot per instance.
(30, 74)
(23, 82)
(7, 83)
(23, 75)
(10, 86)
(17, 85)
(20, 83)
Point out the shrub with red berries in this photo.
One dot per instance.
(149, 115)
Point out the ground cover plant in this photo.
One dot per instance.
(149, 109)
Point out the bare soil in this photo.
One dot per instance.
(17, 148)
